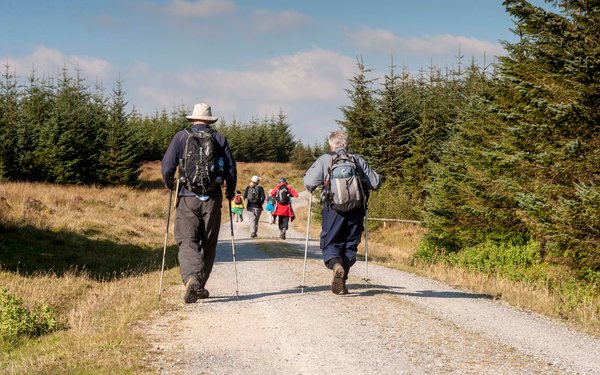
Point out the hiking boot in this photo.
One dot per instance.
(252, 235)
(192, 290)
(203, 294)
(346, 271)
(338, 284)
(344, 289)
(283, 234)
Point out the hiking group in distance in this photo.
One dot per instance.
(206, 163)
(279, 204)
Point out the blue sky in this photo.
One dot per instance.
(245, 58)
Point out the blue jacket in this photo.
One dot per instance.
(170, 162)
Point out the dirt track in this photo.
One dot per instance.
(397, 324)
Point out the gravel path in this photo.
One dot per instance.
(397, 324)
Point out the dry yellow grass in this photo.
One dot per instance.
(96, 304)
(395, 246)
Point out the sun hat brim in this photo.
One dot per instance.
(203, 118)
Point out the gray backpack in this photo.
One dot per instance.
(343, 186)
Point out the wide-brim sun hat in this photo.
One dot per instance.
(202, 111)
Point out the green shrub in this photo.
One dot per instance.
(427, 252)
(394, 202)
(17, 322)
(511, 259)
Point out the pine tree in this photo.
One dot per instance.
(360, 115)
(68, 142)
(120, 157)
(282, 138)
(35, 108)
(9, 108)
(551, 102)
(394, 127)
(523, 163)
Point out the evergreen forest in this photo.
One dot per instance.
(500, 161)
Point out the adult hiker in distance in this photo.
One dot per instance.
(346, 180)
(283, 193)
(205, 162)
(254, 195)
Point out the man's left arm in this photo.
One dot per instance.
(230, 167)
(262, 197)
(371, 178)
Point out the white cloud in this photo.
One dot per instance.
(305, 85)
(49, 61)
(199, 8)
(266, 21)
(308, 86)
(385, 42)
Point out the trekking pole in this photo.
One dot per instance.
(367, 245)
(306, 244)
(162, 267)
(233, 250)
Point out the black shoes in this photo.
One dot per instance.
(252, 235)
(193, 291)
(282, 234)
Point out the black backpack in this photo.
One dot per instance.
(282, 196)
(252, 196)
(200, 169)
(343, 186)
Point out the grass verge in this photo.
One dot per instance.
(548, 289)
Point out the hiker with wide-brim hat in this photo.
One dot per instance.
(198, 213)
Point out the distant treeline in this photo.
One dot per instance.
(59, 130)
(507, 155)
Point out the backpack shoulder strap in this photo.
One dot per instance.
(191, 131)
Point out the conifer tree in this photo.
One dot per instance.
(35, 108)
(524, 162)
(394, 125)
(120, 157)
(9, 102)
(551, 103)
(69, 148)
(359, 117)
(282, 138)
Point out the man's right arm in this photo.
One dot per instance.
(315, 175)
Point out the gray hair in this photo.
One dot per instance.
(337, 139)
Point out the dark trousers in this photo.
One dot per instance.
(197, 225)
(340, 235)
(284, 222)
